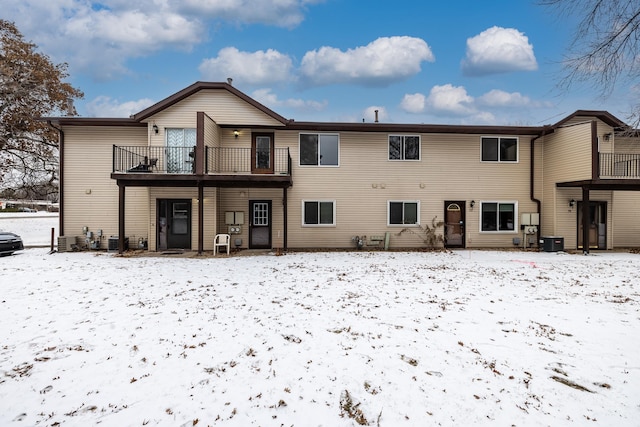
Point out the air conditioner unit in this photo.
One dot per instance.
(65, 243)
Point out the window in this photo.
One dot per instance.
(318, 213)
(180, 150)
(496, 149)
(404, 147)
(318, 149)
(404, 213)
(498, 216)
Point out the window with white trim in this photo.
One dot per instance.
(404, 212)
(498, 149)
(404, 147)
(318, 149)
(318, 212)
(498, 216)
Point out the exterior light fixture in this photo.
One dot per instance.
(236, 133)
(472, 204)
(572, 203)
(155, 128)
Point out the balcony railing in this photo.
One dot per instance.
(617, 165)
(146, 159)
(240, 161)
(182, 160)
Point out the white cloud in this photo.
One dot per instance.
(413, 103)
(99, 38)
(498, 50)
(380, 62)
(500, 98)
(455, 104)
(282, 13)
(261, 67)
(104, 106)
(270, 99)
(449, 99)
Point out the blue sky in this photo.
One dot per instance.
(455, 62)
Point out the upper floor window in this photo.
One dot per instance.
(317, 149)
(498, 216)
(404, 147)
(180, 150)
(404, 212)
(496, 149)
(319, 212)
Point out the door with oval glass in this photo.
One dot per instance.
(454, 222)
(260, 224)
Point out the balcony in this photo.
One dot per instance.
(182, 160)
(619, 166)
(155, 166)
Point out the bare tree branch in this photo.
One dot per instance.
(605, 48)
(31, 86)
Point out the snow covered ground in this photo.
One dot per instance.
(320, 339)
(33, 227)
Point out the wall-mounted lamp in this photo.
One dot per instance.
(607, 136)
(155, 128)
(472, 204)
(572, 203)
(236, 133)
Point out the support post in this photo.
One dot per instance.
(284, 207)
(585, 220)
(200, 218)
(121, 195)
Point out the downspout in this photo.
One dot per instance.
(61, 175)
(531, 182)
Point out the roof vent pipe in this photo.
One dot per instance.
(376, 111)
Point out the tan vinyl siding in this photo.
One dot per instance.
(211, 132)
(237, 200)
(627, 145)
(222, 106)
(90, 195)
(567, 157)
(449, 169)
(626, 219)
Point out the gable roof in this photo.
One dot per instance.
(137, 119)
(198, 86)
(604, 116)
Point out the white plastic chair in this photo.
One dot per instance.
(221, 240)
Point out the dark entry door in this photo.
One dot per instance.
(597, 225)
(262, 153)
(260, 224)
(174, 224)
(454, 219)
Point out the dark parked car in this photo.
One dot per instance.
(9, 243)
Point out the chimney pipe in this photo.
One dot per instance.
(376, 111)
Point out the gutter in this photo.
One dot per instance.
(61, 180)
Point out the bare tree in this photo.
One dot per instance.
(31, 86)
(605, 49)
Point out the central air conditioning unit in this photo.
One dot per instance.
(65, 243)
